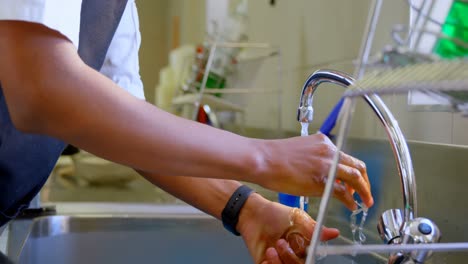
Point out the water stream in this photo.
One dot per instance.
(354, 227)
(304, 133)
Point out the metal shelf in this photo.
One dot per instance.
(203, 96)
(213, 101)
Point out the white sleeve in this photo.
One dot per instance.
(121, 63)
(60, 15)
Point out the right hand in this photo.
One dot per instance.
(300, 166)
(275, 233)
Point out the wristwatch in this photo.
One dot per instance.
(230, 214)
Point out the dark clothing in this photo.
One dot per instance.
(26, 160)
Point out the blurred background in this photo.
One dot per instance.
(253, 85)
(240, 65)
(311, 35)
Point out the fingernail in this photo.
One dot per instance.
(362, 165)
(271, 253)
(282, 243)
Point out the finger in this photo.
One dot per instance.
(348, 188)
(341, 193)
(355, 163)
(354, 179)
(329, 233)
(272, 257)
(298, 243)
(286, 253)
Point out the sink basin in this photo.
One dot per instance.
(161, 238)
(64, 239)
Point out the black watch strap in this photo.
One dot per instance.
(230, 214)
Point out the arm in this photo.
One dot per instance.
(262, 223)
(208, 195)
(49, 90)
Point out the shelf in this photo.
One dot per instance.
(213, 101)
(187, 103)
(239, 91)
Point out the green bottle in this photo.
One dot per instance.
(456, 25)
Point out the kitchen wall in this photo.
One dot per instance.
(327, 34)
(311, 35)
(154, 29)
(157, 26)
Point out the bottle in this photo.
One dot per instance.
(292, 200)
(456, 26)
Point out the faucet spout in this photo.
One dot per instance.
(397, 140)
(305, 111)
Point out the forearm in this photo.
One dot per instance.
(208, 195)
(121, 128)
(49, 90)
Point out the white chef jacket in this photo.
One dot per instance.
(121, 61)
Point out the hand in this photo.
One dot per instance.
(275, 233)
(300, 166)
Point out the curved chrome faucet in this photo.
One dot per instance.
(395, 226)
(395, 135)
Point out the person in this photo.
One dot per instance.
(63, 65)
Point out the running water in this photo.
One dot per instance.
(354, 227)
(321, 258)
(304, 133)
(304, 129)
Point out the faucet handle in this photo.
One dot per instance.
(420, 231)
(390, 225)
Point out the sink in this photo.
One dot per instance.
(158, 238)
(171, 239)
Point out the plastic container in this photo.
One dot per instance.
(291, 200)
(456, 25)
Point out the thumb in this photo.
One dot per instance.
(329, 233)
(299, 243)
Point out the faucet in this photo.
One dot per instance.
(395, 226)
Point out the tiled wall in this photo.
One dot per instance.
(154, 29)
(157, 31)
(312, 34)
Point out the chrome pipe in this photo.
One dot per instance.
(368, 38)
(408, 248)
(395, 135)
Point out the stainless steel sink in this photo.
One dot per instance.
(161, 238)
(64, 239)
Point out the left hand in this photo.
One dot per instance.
(276, 234)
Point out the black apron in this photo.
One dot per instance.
(26, 160)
